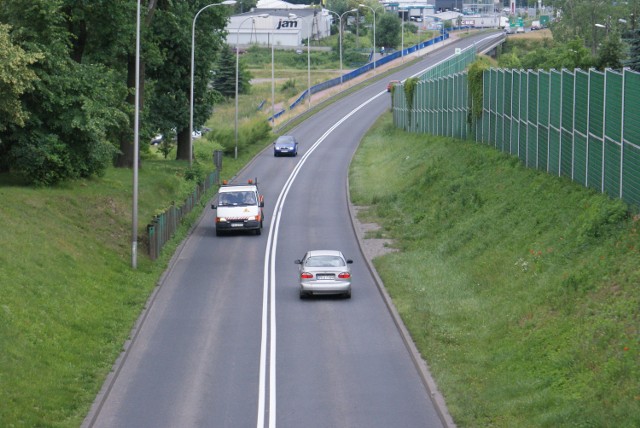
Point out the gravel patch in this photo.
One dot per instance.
(372, 247)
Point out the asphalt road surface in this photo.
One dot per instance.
(225, 340)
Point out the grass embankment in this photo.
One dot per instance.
(68, 294)
(520, 289)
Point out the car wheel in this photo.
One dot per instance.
(259, 230)
(218, 232)
(303, 295)
(347, 295)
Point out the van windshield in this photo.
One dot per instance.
(236, 198)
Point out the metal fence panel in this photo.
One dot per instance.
(522, 116)
(566, 128)
(596, 130)
(544, 81)
(582, 125)
(631, 139)
(612, 133)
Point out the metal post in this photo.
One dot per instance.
(263, 15)
(136, 141)
(193, 44)
(309, 67)
(374, 34)
(273, 87)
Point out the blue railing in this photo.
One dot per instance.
(359, 71)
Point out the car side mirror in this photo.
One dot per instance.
(213, 206)
(298, 262)
(261, 201)
(349, 261)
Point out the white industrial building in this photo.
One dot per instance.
(287, 24)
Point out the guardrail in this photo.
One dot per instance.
(359, 71)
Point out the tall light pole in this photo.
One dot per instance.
(374, 34)
(308, 59)
(340, 20)
(136, 143)
(273, 76)
(262, 15)
(309, 65)
(193, 44)
(340, 38)
(402, 46)
(273, 84)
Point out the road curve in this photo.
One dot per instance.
(225, 340)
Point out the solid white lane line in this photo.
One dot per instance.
(269, 279)
(269, 286)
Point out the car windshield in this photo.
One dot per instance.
(284, 141)
(324, 261)
(236, 198)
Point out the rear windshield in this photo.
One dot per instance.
(324, 261)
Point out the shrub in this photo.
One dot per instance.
(475, 76)
(249, 132)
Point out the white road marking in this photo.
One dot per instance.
(269, 279)
(269, 286)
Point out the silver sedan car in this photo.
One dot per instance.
(324, 272)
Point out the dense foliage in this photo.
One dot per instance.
(67, 81)
(475, 73)
(634, 52)
(545, 54)
(388, 30)
(224, 79)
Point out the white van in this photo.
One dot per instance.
(239, 207)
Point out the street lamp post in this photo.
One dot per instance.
(340, 35)
(341, 73)
(374, 34)
(262, 15)
(273, 77)
(340, 38)
(308, 60)
(309, 65)
(402, 31)
(136, 144)
(193, 43)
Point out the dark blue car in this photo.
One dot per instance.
(285, 145)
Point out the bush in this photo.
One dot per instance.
(249, 132)
(475, 75)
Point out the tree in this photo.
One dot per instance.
(243, 6)
(634, 52)
(388, 30)
(578, 19)
(171, 29)
(610, 53)
(224, 78)
(71, 108)
(16, 77)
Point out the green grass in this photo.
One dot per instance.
(520, 289)
(68, 294)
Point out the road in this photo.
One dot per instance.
(225, 340)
